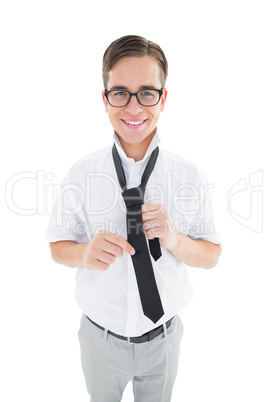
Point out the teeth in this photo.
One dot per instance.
(134, 123)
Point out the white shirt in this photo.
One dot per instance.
(90, 200)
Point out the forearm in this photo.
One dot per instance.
(196, 253)
(68, 253)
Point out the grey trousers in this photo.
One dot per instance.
(110, 363)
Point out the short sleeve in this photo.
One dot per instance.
(68, 220)
(202, 224)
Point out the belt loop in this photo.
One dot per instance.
(105, 334)
(151, 335)
(165, 329)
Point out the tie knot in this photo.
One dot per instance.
(134, 196)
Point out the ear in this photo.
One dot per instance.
(105, 101)
(163, 99)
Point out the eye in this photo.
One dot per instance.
(146, 93)
(119, 93)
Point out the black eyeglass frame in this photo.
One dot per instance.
(160, 91)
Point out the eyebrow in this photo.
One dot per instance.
(142, 87)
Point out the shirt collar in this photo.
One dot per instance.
(153, 144)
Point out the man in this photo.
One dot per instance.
(130, 296)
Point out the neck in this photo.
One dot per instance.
(136, 151)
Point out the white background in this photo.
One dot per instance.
(216, 116)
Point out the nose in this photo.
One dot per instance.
(133, 107)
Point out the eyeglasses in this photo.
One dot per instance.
(146, 97)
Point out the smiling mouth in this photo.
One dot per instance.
(134, 123)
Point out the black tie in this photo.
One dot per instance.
(134, 198)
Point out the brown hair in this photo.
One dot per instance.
(135, 46)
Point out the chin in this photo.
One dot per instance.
(132, 138)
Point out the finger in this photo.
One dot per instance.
(149, 215)
(106, 258)
(113, 249)
(100, 265)
(119, 241)
(152, 224)
(150, 207)
(152, 233)
(96, 264)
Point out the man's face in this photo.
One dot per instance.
(133, 73)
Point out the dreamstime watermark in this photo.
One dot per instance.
(247, 193)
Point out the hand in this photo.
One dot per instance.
(157, 223)
(103, 249)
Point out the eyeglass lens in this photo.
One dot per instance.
(146, 98)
